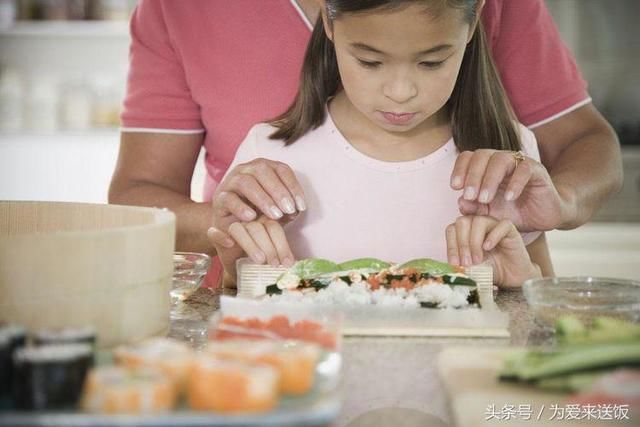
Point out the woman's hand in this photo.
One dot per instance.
(270, 187)
(263, 240)
(475, 239)
(498, 184)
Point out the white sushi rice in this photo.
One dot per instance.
(357, 294)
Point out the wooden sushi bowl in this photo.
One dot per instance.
(73, 265)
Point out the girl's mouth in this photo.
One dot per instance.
(397, 118)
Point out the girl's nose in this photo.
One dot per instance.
(400, 89)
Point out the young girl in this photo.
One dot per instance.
(391, 92)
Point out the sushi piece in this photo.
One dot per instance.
(12, 337)
(276, 328)
(119, 390)
(232, 386)
(294, 360)
(172, 357)
(51, 376)
(82, 335)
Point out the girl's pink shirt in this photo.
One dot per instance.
(220, 66)
(360, 206)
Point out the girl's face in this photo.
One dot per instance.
(399, 67)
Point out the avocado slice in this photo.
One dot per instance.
(364, 263)
(431, 266)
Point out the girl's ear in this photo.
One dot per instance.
(325, 21)
(474, 25)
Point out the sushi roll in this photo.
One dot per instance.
(170, 356)
(231, 386)
(81, 335)
(119, 390)
(51, 376)
(294, 360)
(12, 337)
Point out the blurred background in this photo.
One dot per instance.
(63, 66)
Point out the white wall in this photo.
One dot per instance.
(65, 166)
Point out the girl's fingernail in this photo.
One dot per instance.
(277, 213)
(487, 245)
(300, 204)
(469, 193)
(258, 257)
(287, 262)
(288, 205)
(484, 196)
(509, 196)
(456, 182)
(274, 262)
(249, 214)
(455, 260)
(210, 232)
(228, 243)
(467, 260)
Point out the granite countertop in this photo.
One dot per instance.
(386, 379)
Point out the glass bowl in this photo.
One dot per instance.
(583, 297)
(189, 269)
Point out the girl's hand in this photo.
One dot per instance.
(498, 184)
(474, 239)
(263, 240)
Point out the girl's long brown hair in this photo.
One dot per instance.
(480, 113)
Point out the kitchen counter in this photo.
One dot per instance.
(389, 380)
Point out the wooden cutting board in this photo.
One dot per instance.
(476, 397)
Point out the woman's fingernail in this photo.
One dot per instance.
(210, 232)
(300, 204)
(487, 245)
(274, 262)
(287, 262)
(467, 260)
(484, 196)
(469, 193)
(288, 205)
(275, 212)
(249, 214)
(456, 182)
(455, 260)
(228, 243)
(509, 196)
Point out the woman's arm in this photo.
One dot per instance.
(582, 153)
(155, 169)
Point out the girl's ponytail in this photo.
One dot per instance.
(319, 80)
(481, 115)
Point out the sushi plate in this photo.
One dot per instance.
(319, 411)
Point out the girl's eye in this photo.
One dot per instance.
(369, 64)
(431, 65)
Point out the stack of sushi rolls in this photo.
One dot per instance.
(232, 386)
(12, 337)
(79, 335)
(169, 356)
(50, 376)
(117, 389)
(294, 360)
